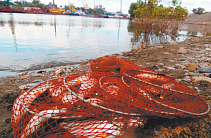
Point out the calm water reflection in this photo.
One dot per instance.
(29, 41)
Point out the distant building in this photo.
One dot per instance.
(100, 7)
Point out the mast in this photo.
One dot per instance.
(53, 4)
(121, 6)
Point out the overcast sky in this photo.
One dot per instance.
(114, 5)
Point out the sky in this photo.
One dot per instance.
(114, 5)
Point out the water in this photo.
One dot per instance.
(30, 41)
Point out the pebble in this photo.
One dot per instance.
(23, 87)
(187, 78)
(170, 68)
(160, 70)
(195, 45)
(207, 45)
(197, 62)
(205, 69)
(200, 78)
(58, 72)
(166, 53)
(63, 70)
(172, 43)
(192, 67)
(182, 50)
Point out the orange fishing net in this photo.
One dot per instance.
(103, 103)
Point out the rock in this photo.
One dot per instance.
(187, 78)
(58, 72)
(204, 64)
(160, 64)
(41, 71)
(182, 50)
(197, 89)
(161, 47)
(200, 78)
(207, 45)
(166, 53)
(197, 74)
(172, 43)
(23, 74)
(34, 83)
(160, 70)
(170, 68)
(38, 81)
(208, 49)
(69, 69)
(153, 67)
(205, 69)
(195, 45)
(84, 63)
(181, 66)
(192, 67)
(23, 87)
(207, 75)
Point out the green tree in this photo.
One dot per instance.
(194, 10)
(36, 2)
(176, 2)
(133, 6)
(198, 11)
(18, 2)
(150, 9)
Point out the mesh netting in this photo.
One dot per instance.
(103, 103)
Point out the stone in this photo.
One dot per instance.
(182, 50)
(200, 78)
(38, 81)
(208, 49)
(181, 66)
(170, 68)
(195, 45)
(192, 67)
(161, 47)
(207, 45)
(166, 53)
(160, 70)
(58, 72)
(205, 69)
(172, 43)
(187, 78)
(207, 75)
(23, 87)
(31, 85)
(204, 64)
(41, 71)
(160, 64)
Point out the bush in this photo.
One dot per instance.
(198, 11)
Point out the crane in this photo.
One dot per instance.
(71, 7)
(85, 4)
(6, 3)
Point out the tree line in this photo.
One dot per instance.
(152, 9)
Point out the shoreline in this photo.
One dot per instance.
(183, 61)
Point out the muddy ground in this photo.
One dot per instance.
(158, 58)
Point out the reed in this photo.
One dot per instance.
(147, 30)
